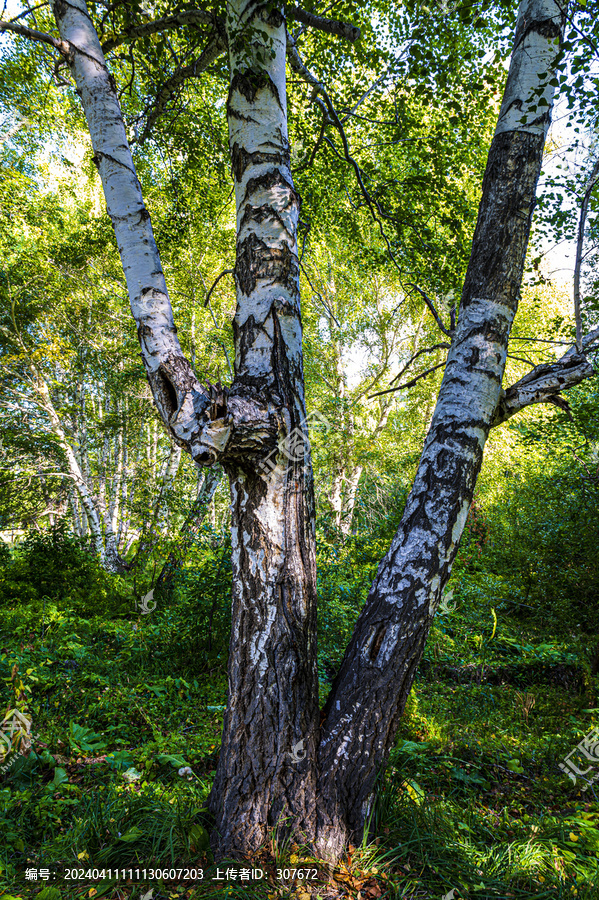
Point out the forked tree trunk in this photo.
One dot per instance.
(267, 768)
(273, 683)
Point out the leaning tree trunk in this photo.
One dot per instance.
(368, 696)
(273, 682)
(267, 768)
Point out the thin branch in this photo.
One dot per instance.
(431, 306)
(369, 91)
(528, 362)
(408, 384)
(579, 245)
(62, 46)
(208, 304)
(416, 355)
(517, 337)
(329, 26)
(586, 39)
(213, 49)
(319, 296)
(27, 12)
(315, 148)
(331, 118)
(590, 475)
(222, 275)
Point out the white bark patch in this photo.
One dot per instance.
(524, 107)
(472, 378)
(389, 645)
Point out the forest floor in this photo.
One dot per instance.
(126, 739)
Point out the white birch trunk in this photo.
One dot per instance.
(273, 684)
(368, 695)
(350, 500)
(85, 495)
(336, 497)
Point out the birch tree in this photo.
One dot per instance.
(70, 396)
(284, 763)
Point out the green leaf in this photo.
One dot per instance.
(60, 776)
(131, 835)
(199, 838)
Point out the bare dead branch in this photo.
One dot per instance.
(590, 475)
(528, 362)
(535, 340)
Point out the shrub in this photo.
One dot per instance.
(63, 568)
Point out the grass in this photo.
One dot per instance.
(473, 804)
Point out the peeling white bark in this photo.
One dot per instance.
(528, 98)
(543, 384)
(273, 686)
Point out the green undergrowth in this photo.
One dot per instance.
(126, 711)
